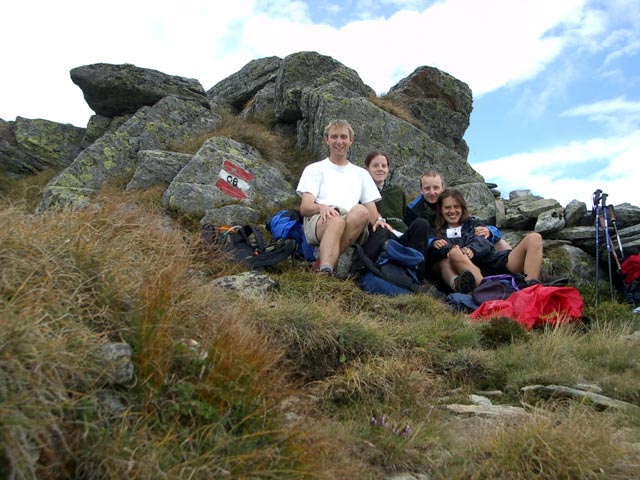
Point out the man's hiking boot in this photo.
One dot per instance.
(464, 283)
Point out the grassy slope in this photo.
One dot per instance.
(280, 388)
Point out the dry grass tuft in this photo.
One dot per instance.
(568, 443)
(395, 108)
(279, 387)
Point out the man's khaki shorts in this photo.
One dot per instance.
(310, 224)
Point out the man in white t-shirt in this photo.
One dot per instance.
(338, 199)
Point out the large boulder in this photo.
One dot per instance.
(240, 88)
(411, 150)
(98, 126)
(626, 215)
(480, 201)
(308, 70)
(52, 144)
(585, 238)
(574, 212)
(157, 167)
(170, 121)
(224, 172)
(112, 90)
(440, 102)
(550, 221)
(29, 146)
(13, 161)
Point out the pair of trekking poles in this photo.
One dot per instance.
(604, 215)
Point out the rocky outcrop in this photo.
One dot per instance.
(112, 90)
(13, 161)
(143, 114)
(30, 146)
(440, 102)
(305, 71)
(157, 167)
(224, 170)
(240, 88)
(171, 120)
(311, 89)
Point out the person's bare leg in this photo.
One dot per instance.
(330, 233)
(446, 271)
(460, 262)
(527, 257)
(356, 221)
(501, 245)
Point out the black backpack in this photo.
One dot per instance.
(631, 292)
(393, 273)
(246, 245)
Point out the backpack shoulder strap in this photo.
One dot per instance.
(275, 253)
(249, 230)
(371, 266)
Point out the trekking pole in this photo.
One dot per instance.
(607, 238)
(596, 213)
(612, 217)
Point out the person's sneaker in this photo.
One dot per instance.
(465, 282)
(326, 270)
(322, 269)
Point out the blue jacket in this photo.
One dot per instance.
(484, 252)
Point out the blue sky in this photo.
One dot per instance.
(556, 83)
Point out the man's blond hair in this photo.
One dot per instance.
(432, 173)
(338, 123)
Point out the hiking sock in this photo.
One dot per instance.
(324, 268)
(452, 282)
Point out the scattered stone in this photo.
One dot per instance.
(116, 358)
(111, 403)
(248, 284)
(589, 387)
(488, 410)
(479, 400)
(634, 337)
(491, 393)
(550, 221)
(555, 391)
(408, 476)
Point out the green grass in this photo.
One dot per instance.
(317, 380)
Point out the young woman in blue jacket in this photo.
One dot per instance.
(472, 257)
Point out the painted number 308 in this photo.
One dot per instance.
(232, 180)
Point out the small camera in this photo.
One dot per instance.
(455, 232)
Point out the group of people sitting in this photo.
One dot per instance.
(343, 203)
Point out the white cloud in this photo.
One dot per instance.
(486, 44)
(618, 114)
(543, 171)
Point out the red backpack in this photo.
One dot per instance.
(535, 306)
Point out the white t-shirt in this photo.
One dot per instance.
(339, 186)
